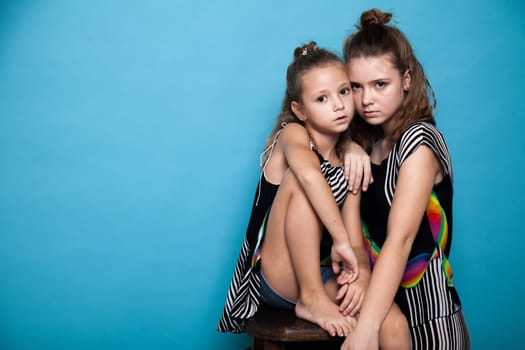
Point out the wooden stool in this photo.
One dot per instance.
(277, 329)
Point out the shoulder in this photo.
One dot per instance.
(420, 132)
(294, 132)
(423, 134)
(294, 128)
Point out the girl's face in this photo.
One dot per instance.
(326, 105)
(378, 88)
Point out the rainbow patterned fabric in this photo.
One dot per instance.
(417, 266)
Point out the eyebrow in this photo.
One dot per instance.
(346, 82)
(371, 81)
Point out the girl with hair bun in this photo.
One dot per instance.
(297, 252)
(407, 212)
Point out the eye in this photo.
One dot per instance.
(344, 91)
(322, 98)
(355, 86)
(380, 84)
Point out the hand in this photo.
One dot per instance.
(362, 338)
(350, 297)
(357, 167)
(344, 263)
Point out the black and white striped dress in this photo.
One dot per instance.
(244, 293)
(427, 295)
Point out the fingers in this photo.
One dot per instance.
(354, 173)
(341, 292)
(335, 266)
(346, 163)
(350, 173)
(358, 171)
(354, 274)
(358, 305)
(352, 302)
(348, 303)
(367, 175)
(347, 276)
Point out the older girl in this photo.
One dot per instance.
(407, 211)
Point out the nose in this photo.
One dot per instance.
(368, 97)
(338, 104)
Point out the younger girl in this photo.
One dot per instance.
(303, 184)
(285, 258)
(407, 211)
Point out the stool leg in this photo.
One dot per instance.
(264, 344)
(273, 345)
(258, 344)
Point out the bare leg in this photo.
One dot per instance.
(394, 332)
(290, 258)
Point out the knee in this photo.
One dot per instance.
(291, 184)
(394, 333)
(289, 180)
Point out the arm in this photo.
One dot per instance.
(416, 178)
(357, 167)
(305, 165)
(352, 294)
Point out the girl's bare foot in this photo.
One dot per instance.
(325, 313)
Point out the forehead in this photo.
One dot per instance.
(371, 68)
(324, 76)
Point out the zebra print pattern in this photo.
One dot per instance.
(416, 135)
(336, 180)
(243, 295)
(436, 321)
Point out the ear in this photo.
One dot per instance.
(296, 109)
(407, 78)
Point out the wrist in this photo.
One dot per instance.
(340, 242)
(369, 324)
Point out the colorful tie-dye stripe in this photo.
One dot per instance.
(257, 253)
(417, 266)
(439, 227)
(438, 221)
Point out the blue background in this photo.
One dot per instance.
(130, 133)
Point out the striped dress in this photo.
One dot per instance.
(244, 293)
(427, 295)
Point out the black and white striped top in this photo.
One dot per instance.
(416, 135)
(427, 295)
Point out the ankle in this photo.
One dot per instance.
(311, 297)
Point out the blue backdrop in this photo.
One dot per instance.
(129, 140)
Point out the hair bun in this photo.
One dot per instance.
(305, 49)
(374, 17)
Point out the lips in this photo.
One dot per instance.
(341, 119)
(370, 113)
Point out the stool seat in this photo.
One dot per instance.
(278, 329)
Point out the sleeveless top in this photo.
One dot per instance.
(244, 292)
(427, 295)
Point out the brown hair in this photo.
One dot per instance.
(305, 58)
(375, 38)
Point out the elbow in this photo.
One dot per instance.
(307, 177)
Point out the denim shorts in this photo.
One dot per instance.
(271, 297)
